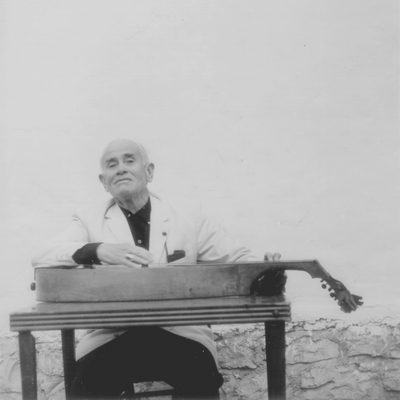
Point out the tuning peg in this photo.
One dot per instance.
(358, 299)
(330, 289)
(332, 294)
(323, 286)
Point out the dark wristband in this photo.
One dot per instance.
(87, 254)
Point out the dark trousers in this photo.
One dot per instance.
(147, 354)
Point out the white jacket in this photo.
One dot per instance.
(202, 239)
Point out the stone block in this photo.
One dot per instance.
(391, 380)
(233, 358)
(253, 387)
(318, 376)
(10, 376)
(305, 350)
(373, 340)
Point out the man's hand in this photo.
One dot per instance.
(272, 257)
(272, 283)
(124, 254)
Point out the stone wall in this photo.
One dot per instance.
(326, 359)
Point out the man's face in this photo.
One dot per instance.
(124, 172)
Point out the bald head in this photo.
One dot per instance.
(129, 145)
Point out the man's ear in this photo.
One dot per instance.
(103, 181)
(150, 172)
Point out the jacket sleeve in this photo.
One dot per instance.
(214, 244)
(59, 250)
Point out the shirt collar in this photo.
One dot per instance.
(143, 213)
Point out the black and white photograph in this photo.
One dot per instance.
(201, 200)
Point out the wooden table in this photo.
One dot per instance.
(274, 311)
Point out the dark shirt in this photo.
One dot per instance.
(139, 224)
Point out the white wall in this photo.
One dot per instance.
(280, 116)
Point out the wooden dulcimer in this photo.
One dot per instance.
(177, 281)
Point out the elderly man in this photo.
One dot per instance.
(136, 228)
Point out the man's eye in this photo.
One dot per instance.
(130, 160)
(112, 165)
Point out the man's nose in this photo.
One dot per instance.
(121, 168)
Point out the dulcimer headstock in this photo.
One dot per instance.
(348, 302)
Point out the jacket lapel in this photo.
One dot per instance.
(118, 225)
(159, 229)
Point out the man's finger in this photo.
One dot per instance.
(141, 253)
(130, 264)
(136, 259)
(277, 256)
(268, 257)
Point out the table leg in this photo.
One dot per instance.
(276, 362)
(27, 358)
(68, 350)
